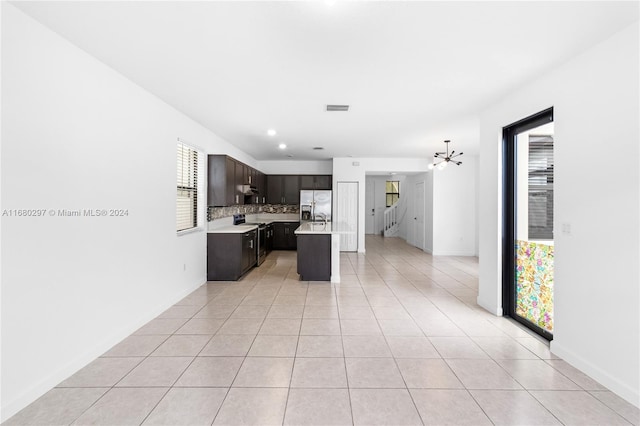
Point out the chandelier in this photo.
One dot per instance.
(445, 158)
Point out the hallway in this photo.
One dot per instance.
(399, 341)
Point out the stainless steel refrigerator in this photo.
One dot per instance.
(315, 205)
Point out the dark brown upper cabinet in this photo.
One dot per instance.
(229, 180)
(283, 189)
(221, 190)
(291, 189)
(261, 185)
(316, 181)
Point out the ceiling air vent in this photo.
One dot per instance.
(337, 107)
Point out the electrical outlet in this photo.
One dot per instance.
(566, 229)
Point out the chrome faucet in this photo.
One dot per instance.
(322, 216)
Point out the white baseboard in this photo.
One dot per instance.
(613, 384)
(455, 253)
(50, 381)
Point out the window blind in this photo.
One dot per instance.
(541, 187)
(187, 196)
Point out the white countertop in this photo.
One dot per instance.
(232, 229)
(316, 228)
(320, 228)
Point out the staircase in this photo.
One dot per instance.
(391, 217)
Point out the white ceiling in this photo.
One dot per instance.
(414, 73)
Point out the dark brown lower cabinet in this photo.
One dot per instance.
(269, 238)
(229, 256)
(284, 237)
(314, 257)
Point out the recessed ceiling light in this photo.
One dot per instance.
(271, 132)
(318, 148)
(282, 146)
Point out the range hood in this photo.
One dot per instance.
(249, 190)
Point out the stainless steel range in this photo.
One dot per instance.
(261, 247)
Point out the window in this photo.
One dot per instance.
(393, 192)
(187, 196)
(541, 187)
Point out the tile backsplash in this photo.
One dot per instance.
(214, 213)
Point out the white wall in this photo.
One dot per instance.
(294, 167)
(450, 209)
(454, 209)
(477, 189)
(428, 212)
(597, 302)
(76, 134)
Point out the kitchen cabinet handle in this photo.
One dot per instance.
(250, 243)
(237, 200)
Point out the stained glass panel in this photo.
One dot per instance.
(534, 283)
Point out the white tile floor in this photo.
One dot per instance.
(399, 341)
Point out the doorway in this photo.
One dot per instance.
(418, 215)
(370, 206)
(528, 245)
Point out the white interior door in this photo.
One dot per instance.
(370, 206)
(418, 216)
(347, 215)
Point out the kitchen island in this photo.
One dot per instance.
(318, 252)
